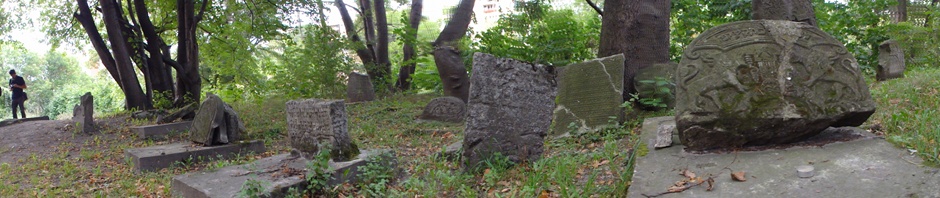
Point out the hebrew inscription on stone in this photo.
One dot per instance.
(589, 96)
(312, 124)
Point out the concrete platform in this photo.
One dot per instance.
(158, 157)
(160, 131)
(8, 122)
(277, 174)
(865, 167)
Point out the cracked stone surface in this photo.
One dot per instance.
(589, 97)
(510, 110)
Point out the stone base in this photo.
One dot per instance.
(862, 167)
(8, 122)
(277, 174)
(158, 157)
(160, 131)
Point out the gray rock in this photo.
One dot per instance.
(445, 109)
(359, 88)
(657, 83)
(590, 95)
(510, 109)
(766, 82)
(890, 61)
(664, 135)
(788, 10)
(84, 112)
(313, 124)
(216, 123)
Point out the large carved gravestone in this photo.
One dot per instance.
(510, 110)
(216, 123)
(589, 94)
(766, 82)
(359, 88)
(445, 109)
(890, 61)
(790, 10)
(314, 124)
(84, 112)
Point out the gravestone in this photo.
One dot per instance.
(789, 10)
(83, 113)
(359, 88)
(657, 83)
(766, 82)
(590, 95)
(216, 123)
(445, 109)
(313, 124)
(510, 110)
(890, 61)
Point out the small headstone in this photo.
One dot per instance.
(656, 87)
(359, 88)
(890, 61)
(788, 10)
(510, 110)
(83, 113)
(313, 124)
(445, 109)
(753, 83)
(216, 123)
(590, 95)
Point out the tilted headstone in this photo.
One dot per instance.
(445, 109)
(510, 110)
(890, 61)
(789, 10)
(766, 82)
(313, 124)
(359, 88)
(656, 86)
(84, 112)
(216, 123)
(590, 95)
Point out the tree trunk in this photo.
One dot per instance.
(365, 55)
(134, 96)
(383, 64)
(408, 64)
(640, 31)
(189, 84)
(88, 23)
(447, 56)
(161, 80)
(901, 11)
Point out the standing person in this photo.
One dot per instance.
(17, 84)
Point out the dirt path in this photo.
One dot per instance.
(41, 137)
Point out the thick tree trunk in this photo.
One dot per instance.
(365, 55)
(189, 84)
(639, 30)
(88, 23)
(383, 64)
(134, 96)
(447, 56)
(161, 80)
(408, 64)
(901, 15)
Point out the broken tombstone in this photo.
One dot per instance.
(83, 113)
(314, 124)
(890, 61)
(590, 95)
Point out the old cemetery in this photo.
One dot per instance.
(681, 98)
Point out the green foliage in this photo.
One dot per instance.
(689, 18)
(376, 175)
(252, 188)
(541, 35)
(317, 172)
(920, 44)
(907, 110)
(313, 65)
(657, 96)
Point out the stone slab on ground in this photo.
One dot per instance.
(227, 181)
(158, 157)
(9, 122)
(866, 167)
(160, 131)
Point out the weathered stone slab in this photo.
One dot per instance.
(445, 109)
(590, 95)
(842, 169)
(8, 122)
(510, 109)
(313, 124)
(788, 10)
(657, 83)
(159, 131)
(158, 157)
(83, 113)
(359, 88)
(890, 61)
(208, 120)
(766, 82)
(228, 181)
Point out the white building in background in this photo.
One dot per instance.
(487, 12)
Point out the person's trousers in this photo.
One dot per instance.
(18, 103)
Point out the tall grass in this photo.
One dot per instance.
(908, 112)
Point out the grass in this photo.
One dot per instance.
(592, 165)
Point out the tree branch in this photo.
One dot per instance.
(593, 5)
(202, 11)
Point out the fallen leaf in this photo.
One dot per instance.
(738, 176)
(545, 194)
(675, 189)
(505, 190)
(711, 183)
(487, 171)
(687, 173)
